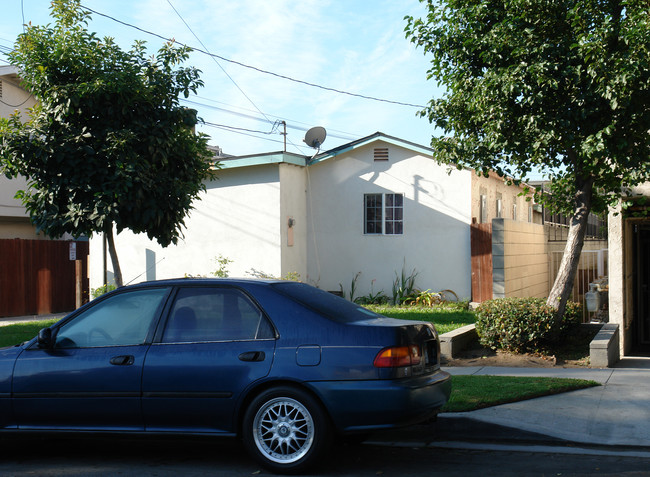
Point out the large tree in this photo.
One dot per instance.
(562, 86)
(108, 144)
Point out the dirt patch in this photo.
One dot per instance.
(571, 351)
(478, 356)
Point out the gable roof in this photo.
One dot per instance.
(364, 141)
(300, 160)
(232, 162)
(10, 72)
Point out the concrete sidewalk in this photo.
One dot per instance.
(616, 414)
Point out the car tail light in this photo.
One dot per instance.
(397, 356)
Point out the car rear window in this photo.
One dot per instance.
(331, 306)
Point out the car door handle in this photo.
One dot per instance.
(124, 360)
(252, 356)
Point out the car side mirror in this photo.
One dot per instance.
(45, 338)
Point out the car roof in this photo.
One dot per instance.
(204, 281)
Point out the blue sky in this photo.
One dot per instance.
(357, 46)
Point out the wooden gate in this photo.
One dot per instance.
(39, 277)
(481, 240)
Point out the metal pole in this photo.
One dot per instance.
(284, 123)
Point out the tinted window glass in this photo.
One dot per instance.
(123, 319)
(325, 303)
(215, 314)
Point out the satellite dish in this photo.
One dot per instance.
(315, 137)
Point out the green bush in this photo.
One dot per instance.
(520, 324)
(97, 292)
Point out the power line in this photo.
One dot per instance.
(235, 128)
(349, 137)
(259, 70)
(215, 60)
(222, 69)
(228, 129)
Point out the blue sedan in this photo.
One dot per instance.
(283, 365)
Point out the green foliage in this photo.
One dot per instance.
(353, 287)
(404, 287)
(372, 298)
(96, 292)
(108, 142)
(222, 270)
(562, 86)
(429, 298)
(521, 324)
(290, 276)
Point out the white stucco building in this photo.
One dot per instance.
(376, 206)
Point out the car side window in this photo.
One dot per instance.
(215, 314)
(120, 320)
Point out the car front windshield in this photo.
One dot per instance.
(327, 304)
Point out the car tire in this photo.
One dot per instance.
(286, 430)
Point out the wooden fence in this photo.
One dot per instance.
(39, 276)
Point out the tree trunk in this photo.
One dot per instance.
(563, 285)
(117, 272)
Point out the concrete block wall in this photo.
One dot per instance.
(519, 259)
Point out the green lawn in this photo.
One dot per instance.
(445, 318)
(475, 392)
(14, 334)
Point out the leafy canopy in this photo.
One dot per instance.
(108, 142)
(562, 86)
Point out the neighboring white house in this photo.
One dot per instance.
(378, 205)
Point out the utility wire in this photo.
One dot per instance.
(277, 75)
(214, 58)
(225, 126)
(349, 137)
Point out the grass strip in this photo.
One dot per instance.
(19, 332)
(476, 392)
(445, 319)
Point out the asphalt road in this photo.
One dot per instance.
(219, 457)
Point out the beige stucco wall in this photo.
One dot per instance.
(617, 277)
(14, 219)
(14, 97)
(621, 268)
(293, 205)
(519, 259)
(494, 188)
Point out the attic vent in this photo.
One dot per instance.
(381, 154)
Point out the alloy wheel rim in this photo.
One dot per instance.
(283, 430)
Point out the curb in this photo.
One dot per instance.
(469, 433)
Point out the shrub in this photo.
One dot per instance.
(97, 292)
(404, 287)
(520, 324)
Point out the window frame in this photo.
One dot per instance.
(391, 216)
(96, 305)
(168, 315)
